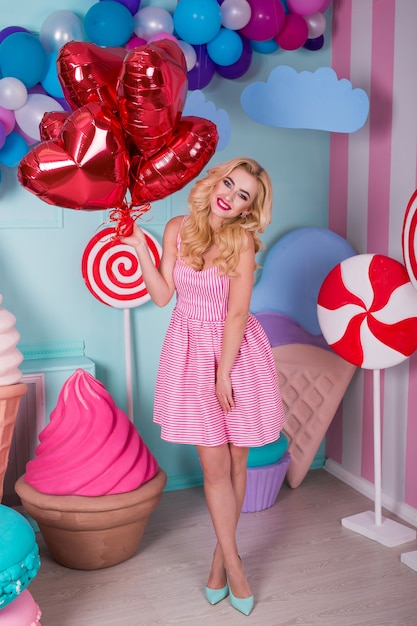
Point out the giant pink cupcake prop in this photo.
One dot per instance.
(93, 482)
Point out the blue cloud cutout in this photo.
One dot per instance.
(197, 105)
(316, 100)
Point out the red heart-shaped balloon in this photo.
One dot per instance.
(89, 73)
(189, 149)
(51, 124)
(151, 93)
(86, 167)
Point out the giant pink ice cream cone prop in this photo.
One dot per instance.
(11, 389)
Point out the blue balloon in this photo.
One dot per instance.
(203, 71)
(197, 21)
(109, 23)
(264, 47)
(13, 151)
(23, 56)
(238, 69)
(132, 5)
(226, 47)
(50, 81)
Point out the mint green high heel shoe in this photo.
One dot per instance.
(216, 595)
(244, 605)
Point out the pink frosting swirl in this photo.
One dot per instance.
(89, 447)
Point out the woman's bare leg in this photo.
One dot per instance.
(224, 469)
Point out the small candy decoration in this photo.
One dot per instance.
(112, 272)
(409, 239)
(367, 311)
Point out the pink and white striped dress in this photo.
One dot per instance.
(186, 405)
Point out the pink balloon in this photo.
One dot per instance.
(8, 120)
(135, 42)
(294, 34)
(162, 35)
(266, 21)
(325, 6)
(304, 7)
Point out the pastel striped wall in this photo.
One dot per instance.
(372, 176)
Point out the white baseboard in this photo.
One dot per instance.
(403, 511)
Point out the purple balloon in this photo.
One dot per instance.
(9, 30)
(314, 44)
(131, 5)
(241, 66)
(203, 71)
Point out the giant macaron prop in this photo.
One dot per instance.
(19, 557)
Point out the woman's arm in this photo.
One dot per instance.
(159, 281)
(235, 324)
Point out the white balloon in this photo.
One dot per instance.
(13, 93)
(30, 115)
(189, 53)
(59, 28)
(235, 14)
(152, 20)
(316, 23)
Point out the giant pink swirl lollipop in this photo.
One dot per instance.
(367, 311)
(409, 239)
(112, 272)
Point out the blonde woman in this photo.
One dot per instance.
(217, 386)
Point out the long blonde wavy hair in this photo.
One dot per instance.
(196, 233)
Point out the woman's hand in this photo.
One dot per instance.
(224, 392)
(136, 239)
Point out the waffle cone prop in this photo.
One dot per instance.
(10, 397)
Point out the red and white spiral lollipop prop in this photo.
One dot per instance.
(113, 275)
(367, 311)
(409, 239)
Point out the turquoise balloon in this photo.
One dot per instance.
(226, 47)
(14, 149)
(197, 21)
(50, 81)
(109, 23)
(264, 47)
(23, 56)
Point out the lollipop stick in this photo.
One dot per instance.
(128, 363)
(374, 525)
(377, 445)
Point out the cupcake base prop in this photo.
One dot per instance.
(89, 533)
(10, 397)
(263, 484)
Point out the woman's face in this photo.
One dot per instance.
(233, 195)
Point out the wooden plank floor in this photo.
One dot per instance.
(304, 567)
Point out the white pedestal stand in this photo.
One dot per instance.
(410, 559)
(374, 525)
(128, 364)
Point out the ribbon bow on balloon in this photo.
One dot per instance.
(125, 132)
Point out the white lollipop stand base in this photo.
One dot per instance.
(410, 559)
(373, 525)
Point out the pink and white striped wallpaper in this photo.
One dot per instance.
(372, 177)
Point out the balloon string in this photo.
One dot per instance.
(124, 216)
